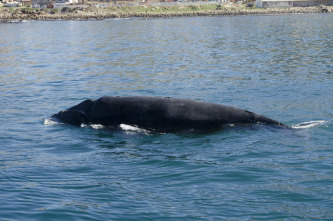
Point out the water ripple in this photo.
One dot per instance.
(280, 67)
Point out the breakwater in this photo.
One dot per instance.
(147, 11)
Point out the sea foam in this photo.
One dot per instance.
(308, 124)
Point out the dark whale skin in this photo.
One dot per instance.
(158, 114)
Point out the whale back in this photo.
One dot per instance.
(158, 114)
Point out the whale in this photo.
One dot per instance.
(160, 114)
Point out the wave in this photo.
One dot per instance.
(308, 124)
(124, 127)
(16, 21)
(50, 122)
(53, 122)
(131, 128)
(94, 126)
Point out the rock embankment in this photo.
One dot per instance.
(149, 12)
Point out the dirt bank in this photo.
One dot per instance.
(12, 14)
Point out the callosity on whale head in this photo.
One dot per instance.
(71, 117)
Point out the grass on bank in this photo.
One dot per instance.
(146, 10)
(124, 9)
(175, 8)
(163, 9)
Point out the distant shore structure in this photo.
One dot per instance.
(106, 3)
(292, 3)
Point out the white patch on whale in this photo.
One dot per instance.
(94, 126)
(131, 128)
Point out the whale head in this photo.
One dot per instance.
(71, 117)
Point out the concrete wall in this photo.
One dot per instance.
(304, 3)
(273, 3)
(292, 3)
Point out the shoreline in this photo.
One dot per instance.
(146, 11)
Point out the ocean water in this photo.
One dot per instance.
(279, 66)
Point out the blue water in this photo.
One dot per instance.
(278, 66)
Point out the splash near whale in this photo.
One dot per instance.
(158, 114)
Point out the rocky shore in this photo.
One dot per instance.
(21, 14)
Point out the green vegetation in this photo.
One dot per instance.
(27, 13)
(161, 9)
(27, 10)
